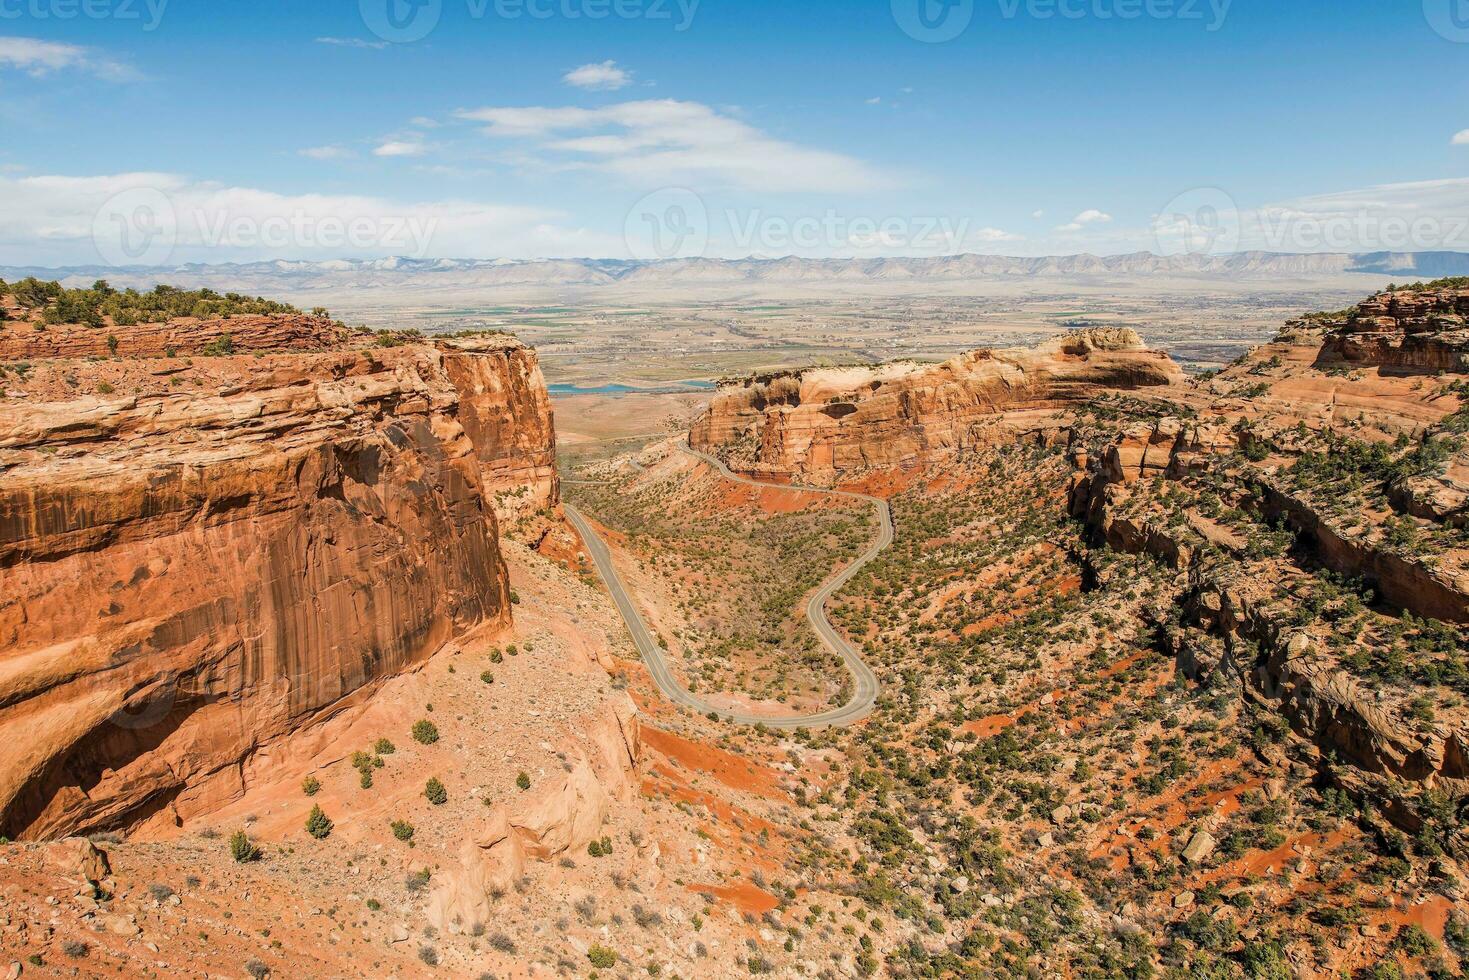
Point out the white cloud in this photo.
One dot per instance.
(1091, 216)
(400, 148)
(38, 58)
(327, 152)
(352, 42)
(67, 220)
(603, 76)
(1461, 138)
(663, 142)
(875, 100)
(1037, 215)
(991, 235)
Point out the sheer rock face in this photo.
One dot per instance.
(505, 408)
(1405, 330)
(188, 574)
(818, 424)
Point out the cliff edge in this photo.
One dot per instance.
(214, 533)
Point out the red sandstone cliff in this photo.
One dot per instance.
(201, 555)
(1413, 331)
(506, 410)
(818, 423)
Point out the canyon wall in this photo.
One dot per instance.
(816, 424)
(200, 555)
(505, 408)
(1408, 331)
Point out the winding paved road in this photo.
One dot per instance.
(865, 686)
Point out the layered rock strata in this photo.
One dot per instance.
(816, 424)
(220, 551)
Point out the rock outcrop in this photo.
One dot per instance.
(1406, 330)
(564, 815)
(816, 424)
(505, 408)
(1283, 665)
(182, 337)
(219, 551)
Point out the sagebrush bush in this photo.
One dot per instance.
(242, 849)
(318, 824)
(435, 791)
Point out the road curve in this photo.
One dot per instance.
(865, 685)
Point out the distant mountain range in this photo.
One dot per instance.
(415, 274)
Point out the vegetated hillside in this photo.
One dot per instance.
(1178, 687)
(733, 565)
(221, 528)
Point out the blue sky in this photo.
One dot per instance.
(532, 128)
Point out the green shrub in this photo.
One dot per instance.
(425, 731)
(384, 747)
(242, 849)
(1415, 942)
(221, 346)
(601, 957)
(523, 781)
(310, 785)
(487, 677)
(318, 824)
(403, 830)
(435, 791)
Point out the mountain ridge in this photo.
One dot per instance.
(587, 272)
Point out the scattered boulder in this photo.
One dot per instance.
(78, 857)
(1200, 847)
